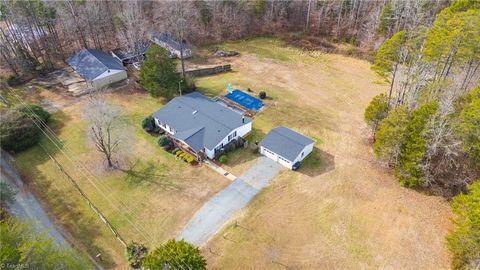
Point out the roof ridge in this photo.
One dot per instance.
(290, 139)
(195, 109)
(198, 130)
(96, 58)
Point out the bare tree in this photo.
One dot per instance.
(178, 22)
(107, 132)
(132, 27)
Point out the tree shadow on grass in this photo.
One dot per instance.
(150, 173)
(67, 209)
(316, 163)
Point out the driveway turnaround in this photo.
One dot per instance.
(221, 207)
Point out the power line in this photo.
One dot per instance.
(90, 203)
(54, 135)
(85, 169)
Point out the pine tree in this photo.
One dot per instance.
(409, 169)
(158, 74)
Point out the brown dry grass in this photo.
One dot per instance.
(150, 204)
(340, 211)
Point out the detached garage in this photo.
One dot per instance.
(286, 146)
(97, 68)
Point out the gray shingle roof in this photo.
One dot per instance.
(285, 142)
(90, 63)
(167, 38)
(125, 53)
(199, 121)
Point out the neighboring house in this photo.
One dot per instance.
(165, 40)
(97, 68)
(201, 124)
(130, 56)
(286, 146)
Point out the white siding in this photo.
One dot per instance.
(274, 156)
(165, 127)
(307, 150)
(108, 77)
(241, 132)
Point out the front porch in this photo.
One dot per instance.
(199, 156)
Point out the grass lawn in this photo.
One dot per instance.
(340, 210)
(149, 202)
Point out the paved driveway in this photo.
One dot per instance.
(221, 207)
(25, 205)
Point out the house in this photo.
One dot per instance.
(286, 146)
(129, 55)
(201, 125)
(165, 40)
(97, 68)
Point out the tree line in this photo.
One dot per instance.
(427, 125)
(36, 35)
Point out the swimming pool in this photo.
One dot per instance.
(245, 100)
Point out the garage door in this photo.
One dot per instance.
(284, 162)
(269, 154)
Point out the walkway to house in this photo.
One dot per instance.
(221, 207)
(220, 170)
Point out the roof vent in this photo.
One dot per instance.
(194, 112)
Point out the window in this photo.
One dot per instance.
(233, 135)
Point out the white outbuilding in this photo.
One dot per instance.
(97, 68)
(286, 146)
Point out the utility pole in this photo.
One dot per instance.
(180, 87)
(92, 206)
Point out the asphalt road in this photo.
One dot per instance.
(215, 213)
(26, 206)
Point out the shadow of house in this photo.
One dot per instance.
(317, 162)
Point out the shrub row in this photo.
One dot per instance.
(186, 157)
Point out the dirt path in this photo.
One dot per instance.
(345, 212)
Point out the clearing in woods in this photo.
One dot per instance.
(340, 211)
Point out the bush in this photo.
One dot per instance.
(19, 132)
(13, 80)
(148, 123)
(464, 240)
(223, 159)
(376, 111)
(176, 255)
(262, 95)
(37, 111)
(390, 135)
(135, 254)
(163, 141)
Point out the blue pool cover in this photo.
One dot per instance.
(245, 100)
